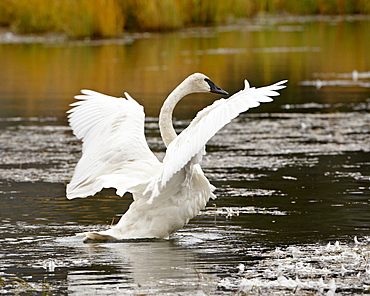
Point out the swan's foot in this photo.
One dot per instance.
(96, 236)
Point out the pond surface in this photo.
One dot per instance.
(292, 176)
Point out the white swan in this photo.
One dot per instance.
(115, 154)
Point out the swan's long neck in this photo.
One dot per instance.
(168, 133)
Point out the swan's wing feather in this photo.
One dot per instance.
(189, 145)
(113, 144)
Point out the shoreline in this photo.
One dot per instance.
(9, 36)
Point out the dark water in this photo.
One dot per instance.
(292, 176)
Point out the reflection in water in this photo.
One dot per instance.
(290, 179)
(41, 79)
(145, 266)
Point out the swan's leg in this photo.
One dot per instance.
(96, 236)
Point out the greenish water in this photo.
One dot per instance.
(292, 176)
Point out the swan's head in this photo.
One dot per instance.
(201, 83)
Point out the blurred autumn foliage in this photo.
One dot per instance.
(109, 18)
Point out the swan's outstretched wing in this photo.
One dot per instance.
(114, 151)
(189, 145)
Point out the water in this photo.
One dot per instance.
(292, 176)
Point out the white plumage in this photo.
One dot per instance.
(115, 154)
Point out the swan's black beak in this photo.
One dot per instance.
(214, 88)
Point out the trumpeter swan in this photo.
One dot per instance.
(115, 154)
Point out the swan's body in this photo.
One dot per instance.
(115, 154)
